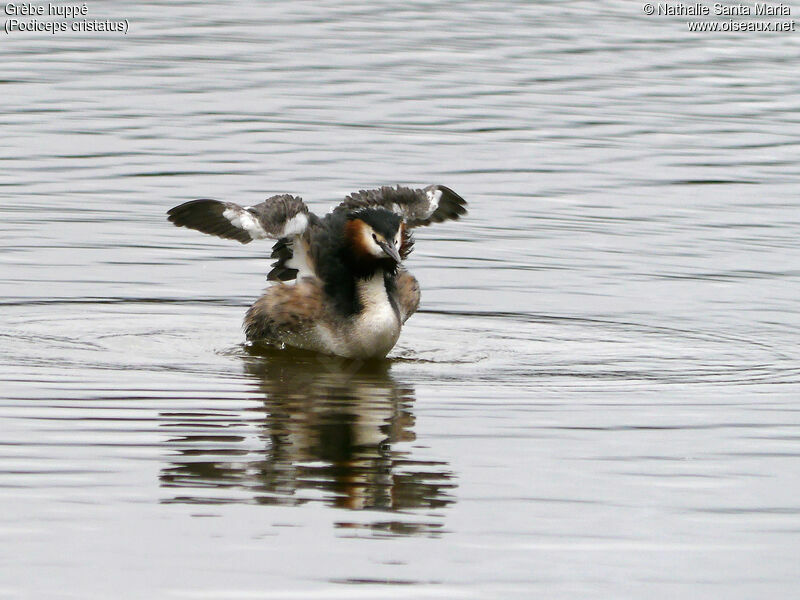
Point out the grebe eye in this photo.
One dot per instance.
(375, 237)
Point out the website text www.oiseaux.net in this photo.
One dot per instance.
(725, 26)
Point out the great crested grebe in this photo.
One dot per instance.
(350, 295)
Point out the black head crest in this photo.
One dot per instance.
(381, 220)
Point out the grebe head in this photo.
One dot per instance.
(374, 238)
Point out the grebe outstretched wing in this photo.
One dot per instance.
(277, 217)
(433, 204)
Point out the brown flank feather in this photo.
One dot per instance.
(407, 294)
(285, 308)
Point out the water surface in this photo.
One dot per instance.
(598, 398)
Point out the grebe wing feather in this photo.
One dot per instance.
(417, 207)
(277, 217)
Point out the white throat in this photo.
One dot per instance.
(377, 326)
(372, 291)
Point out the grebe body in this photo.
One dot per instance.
(339, 286)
